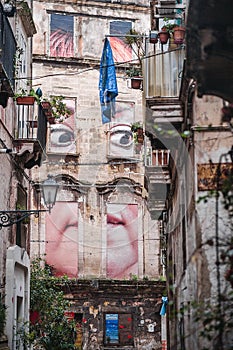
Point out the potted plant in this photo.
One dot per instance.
(135, 41)
(178, 34)
(153, 36)
(166, 31)
(55, 109)
(137, 130)
(47, 109)
(135, 74)
(26, 98)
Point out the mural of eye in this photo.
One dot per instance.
(122, 138)
(62, 139)
(61, 136)
(121, 141)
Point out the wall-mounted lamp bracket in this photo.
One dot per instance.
(11, 217)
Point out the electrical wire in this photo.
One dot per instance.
(96, 67)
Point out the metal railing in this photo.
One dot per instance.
(31, 124)
(163, 70)
(158, 157)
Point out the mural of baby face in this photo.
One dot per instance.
(122, 240)
(62, 239)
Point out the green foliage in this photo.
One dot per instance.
(2, 317)
(135, 126)
(59, 108)
(52, 330)
(134, 72)
(134, 40)
(216, 320)
(24, 92)
(168, 26)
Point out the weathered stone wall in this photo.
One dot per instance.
(141, 300)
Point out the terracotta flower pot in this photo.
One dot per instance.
(178, 35)
(136, 82)
(51, 120)
(25, 100)
(153, 37)
(163, 36)
(47, 109)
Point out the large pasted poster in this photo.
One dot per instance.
(121, 51)
(62, 138)
(61, 35)
(122, 240)
(62, 239)
(121, 142)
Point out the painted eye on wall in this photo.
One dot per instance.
(61, 136)
(121, 141)
(121, 138)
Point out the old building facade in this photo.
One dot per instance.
(17, 29)
(192, 122)
(100, 232)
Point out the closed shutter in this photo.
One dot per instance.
(125, 329)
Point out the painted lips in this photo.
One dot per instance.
(115, 219)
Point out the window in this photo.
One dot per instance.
(118, 329)
(121, 51)
(61, 35)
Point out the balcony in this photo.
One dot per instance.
(163, 71)
(30, 134)
(7, 54)
(157, 180)
(168, 8)
(163, 76)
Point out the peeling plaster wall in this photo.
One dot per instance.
(197, 279)
(142, 300)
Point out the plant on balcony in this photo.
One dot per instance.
(134, 40)
(26, 98)
(135, 74)
(137, 130)
(55, 109)
(166, 31)
(171, 30)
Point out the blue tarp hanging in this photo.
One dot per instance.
(107, 83)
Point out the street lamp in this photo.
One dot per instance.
(49, 192)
